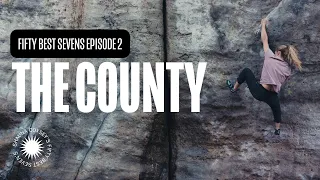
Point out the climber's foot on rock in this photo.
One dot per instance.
(273, 136)
(277, 132)
(230, 86)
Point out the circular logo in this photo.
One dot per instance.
(33, 147)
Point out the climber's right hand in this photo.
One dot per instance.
(264, 21)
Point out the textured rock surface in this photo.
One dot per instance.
(94, 145)
(232, 136)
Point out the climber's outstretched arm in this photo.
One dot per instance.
(264, 35)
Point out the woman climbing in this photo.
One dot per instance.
(276, 69)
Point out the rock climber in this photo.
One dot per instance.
(276, 69)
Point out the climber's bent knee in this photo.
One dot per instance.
(242, 76)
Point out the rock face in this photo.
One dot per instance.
(232, 136)
(96, 145)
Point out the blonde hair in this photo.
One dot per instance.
(290, 54)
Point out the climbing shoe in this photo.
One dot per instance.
(277, 132)
(230, 86)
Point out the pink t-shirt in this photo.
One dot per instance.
(275, 71)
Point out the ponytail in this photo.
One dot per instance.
(290, 54)
(293, 57)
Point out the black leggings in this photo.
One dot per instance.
(260, 93)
